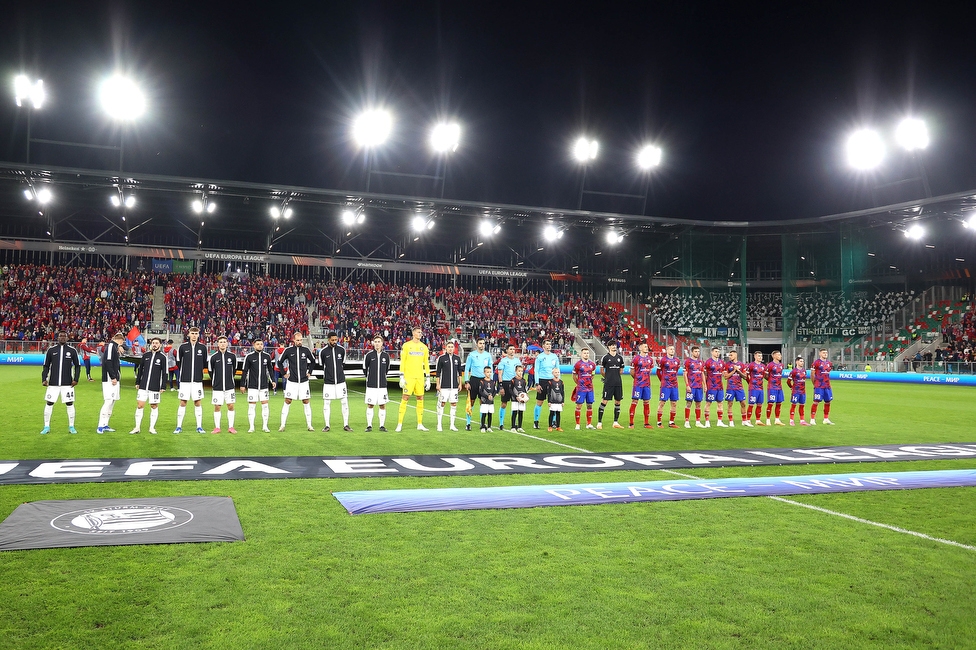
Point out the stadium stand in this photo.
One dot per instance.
(96, 303)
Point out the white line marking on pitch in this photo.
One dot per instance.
(860, 520)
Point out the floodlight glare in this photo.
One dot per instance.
(361, 218)
(418, 224)
(915, 232)
(430, 225)
(348, 217)
(550, 233)
(865, 149)
(28, 194)
(648, 157)
(197, 206)
(912, 134)
(287, 213)
(115, 200)
(275, 212)
(445, 137)
(44, 195)
(971, 222)
(122, 99)
(130, 201)
(211, 207)
(372, 128)
(614, 237)
(585, 150)
(24, 89)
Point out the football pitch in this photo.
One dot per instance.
(719, 573)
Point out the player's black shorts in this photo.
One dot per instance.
(475, 388)
(615, 393)
(543, 393)
(506, 391)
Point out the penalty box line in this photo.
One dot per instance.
(827, 511)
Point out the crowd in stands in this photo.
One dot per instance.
(959, 338)
(240, 309)
(813, 308)
(357, 311)
(38, 300)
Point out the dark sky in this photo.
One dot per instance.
(751, 104)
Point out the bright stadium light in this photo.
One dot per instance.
(614, 237)
(445, 137)
(275, 212)
(915, 232)
(121, 98)
(348, 217)
(211, 207)
(489, 228)
(971, 222)
(130, 201)
(372, 128)
(419, 224)
(44, 195)
(115, 200)
(585, 150)
(551, 233)
(197, 206)
(25, 90)
(649, 157)
(361, 218)
(865, 149)
(912, 134)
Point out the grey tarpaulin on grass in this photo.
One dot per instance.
(116, 522)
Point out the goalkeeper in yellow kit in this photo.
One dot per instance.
(414, 376)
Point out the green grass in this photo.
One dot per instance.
(723, 573)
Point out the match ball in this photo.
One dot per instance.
(522, 397)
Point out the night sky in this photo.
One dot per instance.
(750, 104)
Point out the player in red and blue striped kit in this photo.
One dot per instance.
(797, 381)
(583, 376)
(640, 368)
(756, 371)
(774, 393)
(667, 372)
(714, 391)
(821, 387)
(735, 370)
(694, 386)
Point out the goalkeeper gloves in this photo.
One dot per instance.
(403, 382)
(427, 383)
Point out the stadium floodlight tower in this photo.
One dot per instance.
(614, 237)
(915, 232)
(31, 93)
(371, 129)
(913, 136)
(444, 139)
(648, 157)
(584, 152)
(488, 228)
(351, 217)
(124, 102)
(865, 150)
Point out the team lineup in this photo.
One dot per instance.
(513, 379)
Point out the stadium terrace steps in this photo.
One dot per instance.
(159, 308)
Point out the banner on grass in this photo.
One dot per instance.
(117, 522)
(534, 496)
(208, 469)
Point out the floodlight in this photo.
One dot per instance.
(372, 128)
(122, 99)
(197, 206)
(275, 212)
(915, 232)
(348, 217)
(614, 237)
(130, 201)
(971, 222)
(361, 218)
(115, 200)
(865, 149)
(912, 134)
(211, 207)
(24, 89)
(430, 225)
(44, 195)
(28, 194)
(585, 150)
(550, 233)
(648, 157)
(418, 224)
(287, 213)
(445, 137)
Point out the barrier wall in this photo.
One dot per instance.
(37, 359)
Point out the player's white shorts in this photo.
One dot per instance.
(518, 406)
(190, 391)
(377, 396)
(255, 395)
(447, 395)
(223, 397)
(487, 408)
(555, 407)
(298, 390)
(334, 391)
(152, 397)
(112, 392)
(66, 393)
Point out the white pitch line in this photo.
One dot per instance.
(860, 520)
